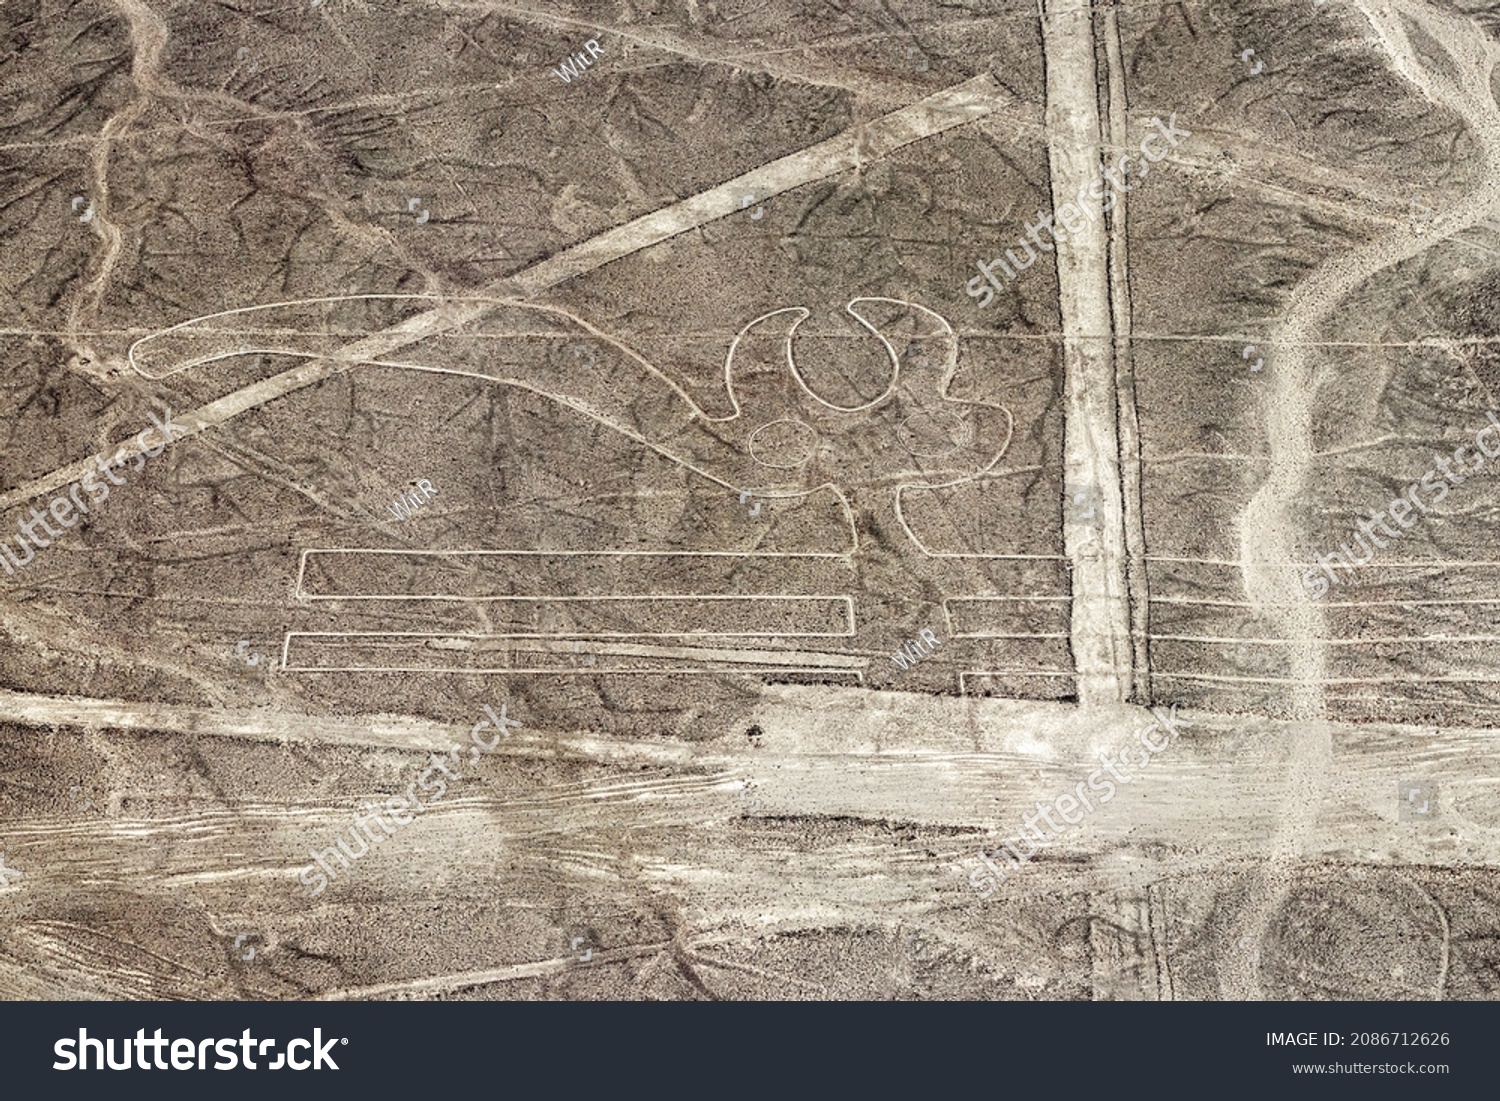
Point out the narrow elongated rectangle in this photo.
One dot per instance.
(604, 617)
(1007, 617)
(311, 652)
(377, 575)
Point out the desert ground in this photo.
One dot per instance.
(699, 500)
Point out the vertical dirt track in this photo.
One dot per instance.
(1091, 446)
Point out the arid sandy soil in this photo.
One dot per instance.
(385, 376)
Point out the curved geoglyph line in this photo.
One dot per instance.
(941, 391)
(196, 323)
(946, 109)
(683, 457)
(695, 450)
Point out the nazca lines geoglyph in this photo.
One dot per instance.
(781, 441)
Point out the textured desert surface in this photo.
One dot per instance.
(562, 477)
